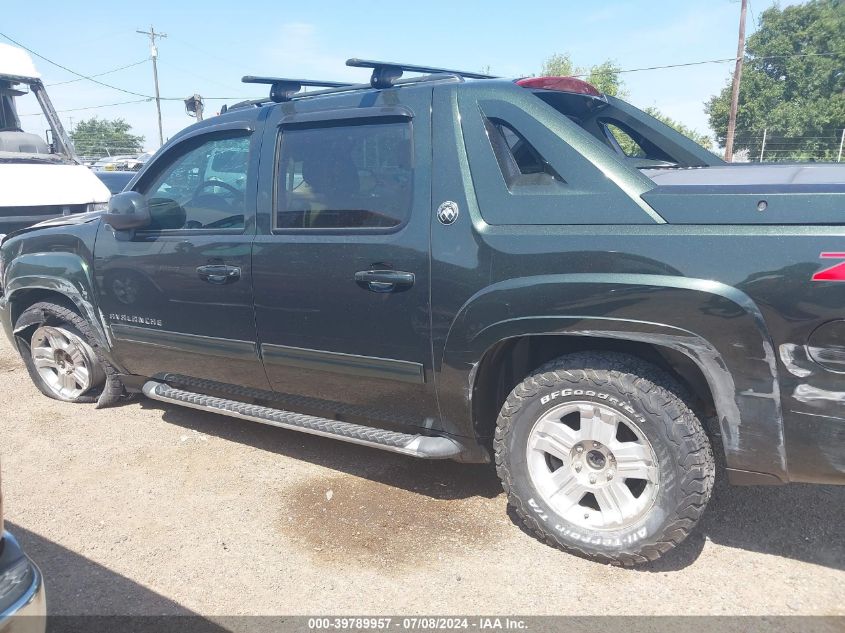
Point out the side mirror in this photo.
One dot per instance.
(128, 210)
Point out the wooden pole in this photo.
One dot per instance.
(154, 54)
(740, 54)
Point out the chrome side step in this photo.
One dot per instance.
(427, 447)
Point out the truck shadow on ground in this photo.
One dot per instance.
(800, 522)
(85, 596)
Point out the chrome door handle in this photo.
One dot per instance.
(384, 280)
(219, 274)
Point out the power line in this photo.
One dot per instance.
(94, 107)
(146, 97)
(720, 61)
(108, 72)
(73, 72)
(82, 76)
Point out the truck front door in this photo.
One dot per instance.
(178, 294)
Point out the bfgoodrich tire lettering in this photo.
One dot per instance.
(626, 388)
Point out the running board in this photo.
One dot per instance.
(424, 446)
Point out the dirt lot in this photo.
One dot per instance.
(151, 509)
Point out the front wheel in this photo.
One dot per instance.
(600, 456)
(59, 354)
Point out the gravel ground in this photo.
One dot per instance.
(152, 509)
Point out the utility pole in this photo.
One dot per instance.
(763, 148)
(740, 54)
(154, 54)
(841, 144)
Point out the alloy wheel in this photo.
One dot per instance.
(64, 361)
(592, 465)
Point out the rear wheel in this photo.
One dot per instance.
(59, 353)
(600, 456)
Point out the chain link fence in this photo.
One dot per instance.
(772, 146)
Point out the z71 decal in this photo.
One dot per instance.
(834, 273)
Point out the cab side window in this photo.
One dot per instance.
(203, 188)
(344, 177)
(625, 140)
(521, 164)
(627, 145)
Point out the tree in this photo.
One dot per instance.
(793, 84)
(103, 137)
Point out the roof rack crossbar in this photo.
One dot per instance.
(385, 74)
(283, 89)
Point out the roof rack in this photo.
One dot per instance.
(283, 89)
(385, 74)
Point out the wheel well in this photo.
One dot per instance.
(23, 299)
(508, 362)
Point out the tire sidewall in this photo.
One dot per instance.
(54, 319)
(652, 525)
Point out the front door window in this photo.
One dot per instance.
(203, 188)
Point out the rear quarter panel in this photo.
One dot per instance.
(736, 299)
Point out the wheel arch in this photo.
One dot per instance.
(25, 298)
(711, 336)
(61, 277)
(509, 361)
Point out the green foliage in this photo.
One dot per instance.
(558, 65)
(604, 76)
(793, 84)
(702, 139)
(102, 137)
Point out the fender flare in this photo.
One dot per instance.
(66, 274)
(717, 326)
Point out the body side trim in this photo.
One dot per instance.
(337, 362)
(190, 343)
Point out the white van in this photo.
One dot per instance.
(38, 181)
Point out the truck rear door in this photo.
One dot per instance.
(341, 261)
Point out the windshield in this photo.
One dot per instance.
(9, 120)
(16, 144)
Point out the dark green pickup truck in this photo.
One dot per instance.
(454, 266)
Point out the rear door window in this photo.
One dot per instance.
(349, 176)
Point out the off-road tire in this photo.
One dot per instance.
(63, 317)
(684, 455)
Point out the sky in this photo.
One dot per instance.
(210, 45)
